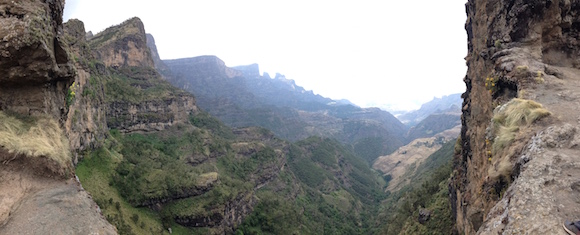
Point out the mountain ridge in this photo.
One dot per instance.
(284, 107)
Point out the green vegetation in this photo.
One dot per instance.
(151, 171)
(370, 148)
(35, 137)
(430, 192)
(189, 171)
(95, 172)
(204, 120)
(491, 84)
(136, 85)
(326, 189)
(71, 93)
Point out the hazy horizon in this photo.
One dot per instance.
(397, 55)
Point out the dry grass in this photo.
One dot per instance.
(509, 118)
(507, 121)
(37, 137)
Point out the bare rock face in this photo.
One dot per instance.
(137, 97)
(36, 69)
(518, 49)
(123, 45)
(151, 115)
(86, 123)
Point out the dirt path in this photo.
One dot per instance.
(547, 191)
(33, 204)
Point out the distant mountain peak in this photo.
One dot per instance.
(209, 64)
(251, 70)
(445, 104)
(159, 65)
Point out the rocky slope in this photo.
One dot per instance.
(524, 180)
(400, 165)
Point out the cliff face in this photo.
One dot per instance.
(138, 98)
(159, 65)
(528, 50)
(86, 123)
(123, 45)
(35, 65)
(37, 181)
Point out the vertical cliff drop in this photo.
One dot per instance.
(518, 170)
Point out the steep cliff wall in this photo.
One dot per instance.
(138, 98)
(86, 123)
(519, 177)
(123, 45)
(37, 187)
(35, 65)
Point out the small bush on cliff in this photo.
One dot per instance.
(71, 93)
(491, 84)
(34, 137)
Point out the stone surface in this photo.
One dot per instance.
(529, 49)
(33, 202)
(36, 69)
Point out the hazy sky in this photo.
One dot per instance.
(370, 52)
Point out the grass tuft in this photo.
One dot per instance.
(509, 118)
(34, 137)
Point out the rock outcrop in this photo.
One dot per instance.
(138, 98)
(528, 50)
(36, 68)
(123, 45)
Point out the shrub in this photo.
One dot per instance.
(491, 84)
(71, 93)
